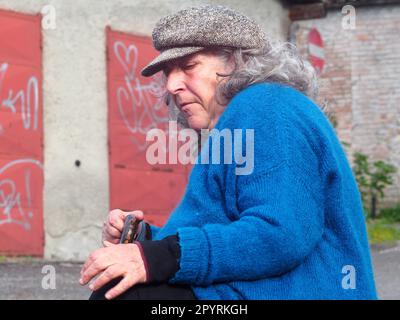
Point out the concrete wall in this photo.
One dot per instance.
(361, 81)
(76, 199)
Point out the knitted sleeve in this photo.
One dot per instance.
(154, 230)
(279, 224)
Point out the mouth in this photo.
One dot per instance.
(185, 108)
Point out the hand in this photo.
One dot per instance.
(113, 261)
(113, 226)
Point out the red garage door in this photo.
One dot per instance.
(135, 107)
(21, 135)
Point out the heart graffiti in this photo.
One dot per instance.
(140, 105)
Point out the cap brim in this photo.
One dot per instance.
(165, 56)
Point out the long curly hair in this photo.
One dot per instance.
(275, 62)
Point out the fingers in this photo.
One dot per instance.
(106, 237)
(126, 283)
(137, 213)
(93, 266)
(91, 272)
(88, 262)
(112, 232)
(109, 274)
(117, 217)
(111, 262)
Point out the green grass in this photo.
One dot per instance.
(379, 232)
(25, 259)
(385, 229)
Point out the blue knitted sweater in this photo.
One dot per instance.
(292, 229)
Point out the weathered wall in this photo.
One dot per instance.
(361, 81)
(76, 199)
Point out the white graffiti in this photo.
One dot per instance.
(10, 195)
(139, 109)
(27, 100)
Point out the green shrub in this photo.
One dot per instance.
(390, 215)
(372, 179)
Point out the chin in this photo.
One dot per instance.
(197, 125)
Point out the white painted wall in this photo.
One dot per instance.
(75, 106)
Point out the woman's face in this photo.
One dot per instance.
(192, 81)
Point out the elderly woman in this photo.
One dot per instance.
(293, 228)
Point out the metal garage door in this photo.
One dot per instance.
(134, 108)
(21, 135)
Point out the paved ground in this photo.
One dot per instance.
(387, 272)
(22, 279)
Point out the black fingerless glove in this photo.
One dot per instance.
(161, 258)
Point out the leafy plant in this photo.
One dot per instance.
(372, 179)
(390, 215)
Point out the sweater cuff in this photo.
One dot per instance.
(161, 258)
(194, 257)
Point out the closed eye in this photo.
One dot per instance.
(184, 67)
(188, 66)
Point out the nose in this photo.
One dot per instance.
(175, 81)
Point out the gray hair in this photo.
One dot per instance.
(275, 62)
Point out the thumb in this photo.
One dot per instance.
(138, 214)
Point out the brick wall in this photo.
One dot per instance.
(361, 81)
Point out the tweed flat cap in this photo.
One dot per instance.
(194, 29)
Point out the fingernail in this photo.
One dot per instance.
(108, 296)
(81, 281)
(91, 287)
